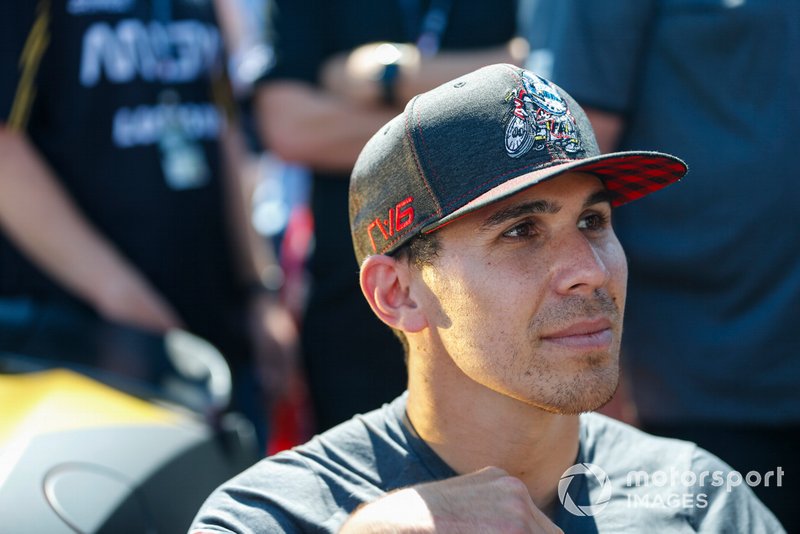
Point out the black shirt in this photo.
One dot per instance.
(119, 102)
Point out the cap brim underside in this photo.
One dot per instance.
(627, 175)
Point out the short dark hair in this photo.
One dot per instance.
(420, 251)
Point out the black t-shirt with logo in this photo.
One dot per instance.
(117, 95)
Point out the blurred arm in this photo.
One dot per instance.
(326, 128)
(306, 125)
(39, 217)
(352, 75)
(272, 330)
(254, 256)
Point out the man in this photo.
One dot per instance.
(342, 70)
(710, 353)
(114, 200)
(481, 218)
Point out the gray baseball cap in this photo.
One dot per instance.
(478, 139)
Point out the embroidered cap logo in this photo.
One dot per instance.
(539, 116)
(399, 217)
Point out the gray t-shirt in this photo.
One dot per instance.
(314, 487)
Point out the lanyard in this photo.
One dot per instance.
(429, 30)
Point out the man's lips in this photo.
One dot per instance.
(592, 334)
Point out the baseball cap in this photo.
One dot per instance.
(476, 140)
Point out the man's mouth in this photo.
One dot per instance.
(586, 335)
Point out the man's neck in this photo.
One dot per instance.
(471, 426)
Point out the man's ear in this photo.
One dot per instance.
(385, 283)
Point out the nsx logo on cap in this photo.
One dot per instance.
(538, 116)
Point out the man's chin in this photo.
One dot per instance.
(581, 396)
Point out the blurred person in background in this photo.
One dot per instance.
(711, 347)
(342, 70)
(119, 184)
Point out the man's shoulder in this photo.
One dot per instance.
(607, 438)
(349, 450)
(316, 485)
(353, 448)
(625, 449)
(663, 481)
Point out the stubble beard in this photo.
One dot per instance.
(589, 385)
(589, 391)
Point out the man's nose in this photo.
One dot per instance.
(579, 268)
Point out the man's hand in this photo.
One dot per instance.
(489, 500)
(274, 337)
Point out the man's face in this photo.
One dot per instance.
(527, 295)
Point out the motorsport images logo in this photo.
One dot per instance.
(657, 489)
(587, 470)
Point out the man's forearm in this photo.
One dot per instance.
(306, 125)
(272, 329)
(38, 215)
(355, 76)
(326, 128)
(253, 254)
(433, 71)
(487, 500)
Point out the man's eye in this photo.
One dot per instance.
(524, 229)
(594, 221)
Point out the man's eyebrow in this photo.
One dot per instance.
(537, 207)
(603, 195)
(518, 210)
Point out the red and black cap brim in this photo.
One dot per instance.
(628, 176)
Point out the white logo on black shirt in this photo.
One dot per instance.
(145, 125)
(174, 52)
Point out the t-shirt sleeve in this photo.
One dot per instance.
(297, 35)
(277, 495)
(17, 26)
(591, 48)
(731, 505)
